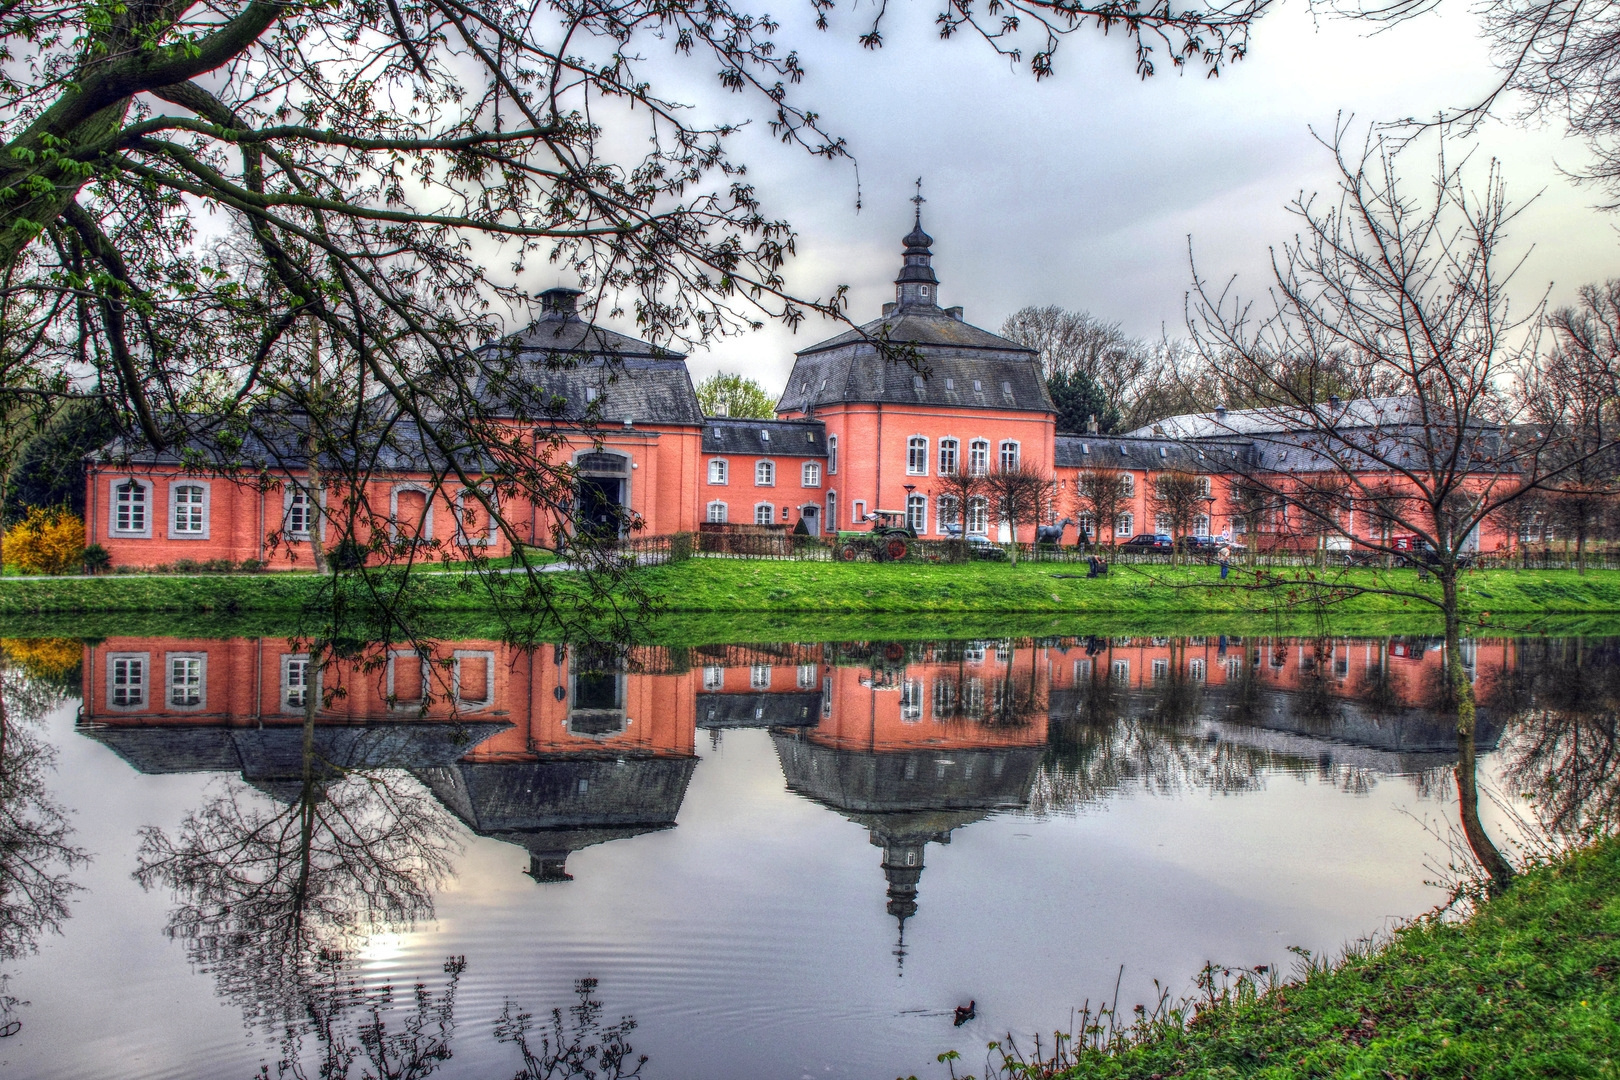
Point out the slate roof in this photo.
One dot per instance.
(859, 781)
(852, 368)
(764, 438)
(1126, 452)
(562, 793)
(763, 710)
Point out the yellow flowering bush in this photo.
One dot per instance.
(53, 659)
(47, 541)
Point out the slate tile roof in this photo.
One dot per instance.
(1129, 452)
(764, 438)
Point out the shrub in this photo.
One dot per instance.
(52, 660)
(187, 566)
(252, 566)
(219, 566)
(680, 547)
(47, 541)
(96, 559)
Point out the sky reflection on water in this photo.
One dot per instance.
(781, 861)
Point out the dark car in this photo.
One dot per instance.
(1147, 542)
(1200, 545)
(980, 547)
(1423, 556)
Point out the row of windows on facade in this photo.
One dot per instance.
(129, 680)
(410, 508)
(765, 473)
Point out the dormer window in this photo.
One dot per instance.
(764, 436)
(591, 394)
(924, 292)
(977, 386)
(950, 384)
(1006, 389)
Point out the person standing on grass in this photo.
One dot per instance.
(1224, 557)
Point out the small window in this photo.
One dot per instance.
(917, 512)
(714, 677)
(1120, 671)
(807, 676)
(765, 473)
(1201, 525)
(764, 514)
(1195, 670)
(977, 386)
(298, 513)
(473, 679)
(950, 384)
(947, 457)
(131, 508)
(832, 455)
(1126, 525)
(978, 516)
(1006, 389)
(764, 435)
(295, 683)
(475, 525)
(717, 513)
(857, 511)
(1203, 486)
(126, 680)
(916, 456)
(978, 457)
(188, 512)
(911, 701)
(1162, 523)
(717, 471)
(1128, 484)
(759, 677)
(1009, 456)
(812, 474)
(186, 681)
(1161, 670)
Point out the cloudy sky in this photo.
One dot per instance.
(1084, 190)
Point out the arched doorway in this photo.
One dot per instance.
(810, 514)
(602, 493)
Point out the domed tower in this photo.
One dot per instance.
(917, 287)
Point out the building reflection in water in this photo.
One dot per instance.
(556, 749)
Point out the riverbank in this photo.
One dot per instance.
(1508, 599)
(1529, 986)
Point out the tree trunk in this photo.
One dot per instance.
(1012, 527)
(1490, 859)
(1580, 549)
(317, 549)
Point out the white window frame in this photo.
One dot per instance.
(287, 662)
(1161, 669)
(1125, 524)
(917, 455)
(911, 701)
(203, 507)
(714, 677)
(810, 475)
(145, 486)
(917, 512)
(977, 521)
(978, 457)
(764, 473)
(426, 533)
(144, 680)
(950, 456)
(462, 537)
(1129, 484)
(1009, 454)
(719, 471)
(764, 513)
(1162, 523)
(1201, 524)
(457, 689)
(201, 660)
(311, 511)
(949, 512)
(1203, 486)
(759, 677)
(832, 455)
(808, 676)
(1119, 671)
(715, 513)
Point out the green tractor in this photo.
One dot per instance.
(888, 540)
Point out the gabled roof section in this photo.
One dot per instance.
(1120, 452)
(1358, 413)
(764, 438)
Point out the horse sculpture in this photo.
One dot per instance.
(1052, 534)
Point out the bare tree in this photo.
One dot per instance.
(1251, 505)
(1070, 343)
(1392, 288)
(1017, 495)
(954, 492)
(1178, 497)
(1101, 494)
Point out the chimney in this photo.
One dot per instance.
(1091, 423)
(955, 313)
(1333, 399)
(1220, 412)
(722, 409)
(888, 309)
(560, 303)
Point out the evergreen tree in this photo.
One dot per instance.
(50, 469)
(1078, 398)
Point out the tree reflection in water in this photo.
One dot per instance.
(581, 1045)
(37, 854)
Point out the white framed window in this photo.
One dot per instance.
(950, 514)
(1120, 671)
(1128, 484)
(127, 678)
(764, 514)
(410, 512)
(947, 457)
(978, 457)
(811, 476)
(298, 512)
(472, 678)
(1195, 669)
(1239, 526)
(944, 699)
(1161, 523)
(1125, 525)
(1203, 486)
(917, 512)
(911, 701)
(717, 513)
(832, 455)
(295, 682)
(1009, 455)
(765, 473)
(714, 677)
(916, 456)
(188, 511)
(807, 676)
(131, 508)
(1161, 670)
(718, 471)
(973, 696)
(475, 525)
(1201, 525)
(1233, 666)
(1083, 670)
(187, 680)
(978, 516)
(759, 677)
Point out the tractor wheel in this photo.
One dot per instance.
(848, 553)
(894, 652)
(895, 549)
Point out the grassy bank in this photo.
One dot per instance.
(1528, 987)
(786, 589)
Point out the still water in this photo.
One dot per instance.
(774, 860)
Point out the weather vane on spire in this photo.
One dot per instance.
(917, 200)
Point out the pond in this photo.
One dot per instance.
(772, 861)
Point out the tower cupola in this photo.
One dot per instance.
(917, 287)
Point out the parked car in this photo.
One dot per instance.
(1201, 545)
(1423, 556)
(1147, 542)
(982, 547)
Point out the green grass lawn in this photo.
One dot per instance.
(1527, 987)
